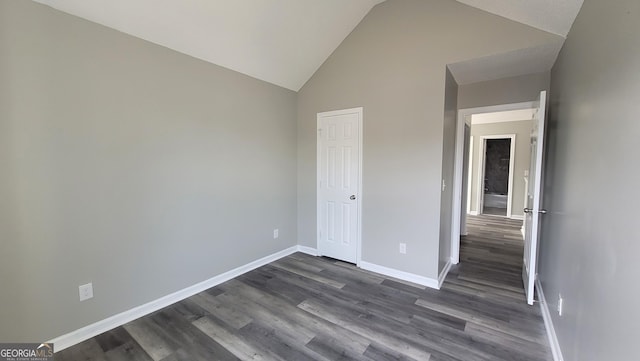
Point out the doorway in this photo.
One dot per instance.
(467, 160)
(339, 180)
(525, 243)
(495, 175)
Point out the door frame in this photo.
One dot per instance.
(482, 169)
(359, 112)
(457, 174)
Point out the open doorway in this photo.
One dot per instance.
(495, 175)
(508, 125)
(495, 246)
(497, 157)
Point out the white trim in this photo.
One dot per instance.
(457, 192)
(469, 170)
(482, 166)
(463, 115)
(94, 329)
(443, 274)
(517, 217)
(473, 213)
(503, 116)
(359, 111)
(480, 172)
(402, 275)
(462, 221)
(496, 108)
(308, 250)
(548, 324)
(405, 276)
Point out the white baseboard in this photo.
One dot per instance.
(517, 217)
(405, 276)
(548, 324)
(308, 250)
(473, 213)
(444, 273)
(87, 332)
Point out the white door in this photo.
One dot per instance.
(533, 208)
(339, 158)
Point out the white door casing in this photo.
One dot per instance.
(482, 166)
(339, 178)
(463, 114)
(533, 206)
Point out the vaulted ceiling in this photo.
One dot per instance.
(285, 41)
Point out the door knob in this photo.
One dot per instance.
(353, 197)
(529, 210)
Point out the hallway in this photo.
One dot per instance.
(491, 253)
(489, 273)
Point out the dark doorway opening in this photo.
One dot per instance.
(496, 176)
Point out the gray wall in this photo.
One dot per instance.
(128, 165)
(393, 65)
(516, 89)
(522, 130)
(589, 250)
(448, 162)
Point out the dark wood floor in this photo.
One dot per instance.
(310, 308)
(494, 211)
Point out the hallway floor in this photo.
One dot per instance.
(313, 308)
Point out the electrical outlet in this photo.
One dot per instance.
(86, 291)
(560, 304)
(403, 248)
(275, 233)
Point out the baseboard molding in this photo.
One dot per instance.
(405, 276)
(87, 332)
(548, 324)
(391, 272)
(308, 250)
(443, 274)
(517, 217)
(473, 213)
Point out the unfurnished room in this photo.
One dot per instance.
(428, 180)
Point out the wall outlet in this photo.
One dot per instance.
(403, 248)
(275, 233)
(560, 304)
(86, 291)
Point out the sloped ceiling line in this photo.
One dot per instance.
(284, 42)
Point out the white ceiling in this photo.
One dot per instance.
(285, 41)
(282, 42)
(553, 16)
(524, 61)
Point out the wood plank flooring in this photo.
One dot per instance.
(311, 308)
